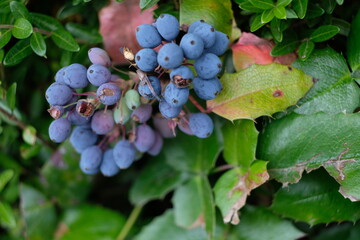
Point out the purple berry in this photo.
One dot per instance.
(157, 146)
(99, 56)
(161, 125)
(75, 76)
(59, 130)
(108, 166)
(184, 125)
(98, 74)
(76, 119)
(145, 138)
(90, 160)
(108, 93)
(124, 154)
(102, 122)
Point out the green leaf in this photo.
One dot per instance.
(217, 13)
(330, 141)
(300, 7)
(7, 218)
(64, 40)
(28, 151)
(5, 6)
(5, 177)
(256, 23)
(283, 3)
(146, 4)
(288, 45)
(267, 15)
(240, 140)
(353, 46)
(324, 33)
(164, 227)
(340, 2)
(19, 10)
(290, 13)
(61, 170)
(314, 11)
(314, 200)
(280, 12)
(334, 90)
(197, 194)
(262, 4)
(328, 5)
(11, 96)
(90, 222)
(84, 33)
(150, 184)
(260, 223)
(194, 155)
(45, 22)
(233, 187)
(275, 28)
(37, 211)
(248, 6)
(38, 44)
(5, 36)
(17, 53)
(29, 135)
(339, 231)
(259, 90)
(305, 49)
(22, 28)
(342, 24)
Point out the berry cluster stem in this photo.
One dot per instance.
(130, 222)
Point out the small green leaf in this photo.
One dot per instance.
(288, 45)
(5, 36)
(22, 28)
(290, 13)
(340, 2)
(38, 44)
(256, 23)
(328, 5)
(45, 22)
(2, 54)
(267, 15)
(18, 52)
(275, 28)
(248, 93)
(28, 151)
(248, 6)
(11, 96)
(5, 6)
(19, 10)
(7, 217)
(306, 201)
(305, 49)
(314, 11)
(84, 33)
(280, 12)
(343, 25)
(283, 3)
(145, 4)
(324, 33)
(300, 7)
(29, 135)
(64, 40)
(353, 46)
(5, 177)
(263, 4)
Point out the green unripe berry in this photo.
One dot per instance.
(122, 113)
(132, 99)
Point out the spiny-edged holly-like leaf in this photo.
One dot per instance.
(240, 140)
(312, 141)
(84, 33)
(305, 49)
(233, 187)
(5, 177)
(324, 33)
(262, 4)
(64, 40)
(334, 90)
(38, 44)
(353, 46)
(63, 170)
(191, 154)
(22, 28)
(151, 183)
(5, 36)
(90, 222)
(145, 4)
(300, 7)
(260, 223)
(314, 200)
(217, 13)
(37, 211)
(18, 52)
(164, 227)
(197, 194)
(259, 90)
(19, 10)
(45, 22)
(7, 216)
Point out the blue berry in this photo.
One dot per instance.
(201, 125)
(148, 36)
(170, 56)
(208, 65)
(76, 119)
(99, 56)
(167, 110)
(195, 25)
(58, 94)
(181, 76)
(59, 76)
(161, 125)
(144, 89)
(75, 76)
(98, 74)
(145, 138)
(108, 93)
(82, 137)
(183, 125)
(157, 146)
(90, 160)
(168, 26)
(124, 154)
(102, 122)
(174, 96)
(146, 59)
(108, 166)
(207, 89)
(220, 45)
(206, 32)
(59, 130)
(142, 113)
(192, 45)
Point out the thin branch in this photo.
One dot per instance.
(130, 222)
(42, 31)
